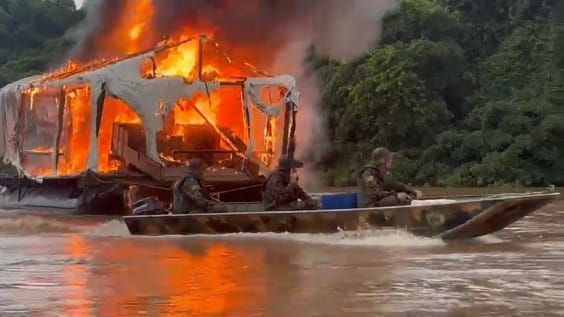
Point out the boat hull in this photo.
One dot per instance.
(459, 219)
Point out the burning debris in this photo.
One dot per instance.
(66, 122)
(149, 87)
(149, 52)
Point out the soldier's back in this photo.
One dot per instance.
(271, 189)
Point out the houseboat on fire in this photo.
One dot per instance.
(81, 138)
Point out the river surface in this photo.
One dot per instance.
(78, 266)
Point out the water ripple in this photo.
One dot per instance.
(97, 269)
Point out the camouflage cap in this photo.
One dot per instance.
(380, 153)
(285, 162)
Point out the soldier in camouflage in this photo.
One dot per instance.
(281, 191)
(377, 186)
(190, 194)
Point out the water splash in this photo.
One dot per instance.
(367, 238)
(387, 237)
(113, 228)
(489, 239)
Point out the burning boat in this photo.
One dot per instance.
(91, 137)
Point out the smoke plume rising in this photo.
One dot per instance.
(274, 34)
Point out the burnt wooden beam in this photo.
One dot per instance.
(19, 138)
(41, 152)
(61, 104)
(201, 43)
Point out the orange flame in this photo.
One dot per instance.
(131, 34)
(127, 36)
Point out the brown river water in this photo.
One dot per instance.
(56, 265)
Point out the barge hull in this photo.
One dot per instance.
(66, 195)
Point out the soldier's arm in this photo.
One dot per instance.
(281, 193)
(374, 185)
(391, 183)
(195, 193)
(300, 193)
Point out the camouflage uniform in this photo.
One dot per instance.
(378, 187)
(190, 194)
(279, 193)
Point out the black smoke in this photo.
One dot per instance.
(262, 24)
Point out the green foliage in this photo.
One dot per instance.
(31, 35)
(468, 93)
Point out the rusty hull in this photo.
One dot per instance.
(462, 219)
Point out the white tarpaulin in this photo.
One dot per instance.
(123, 81)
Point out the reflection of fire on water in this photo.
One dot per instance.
(206, 280)
(77, 275)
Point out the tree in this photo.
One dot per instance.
(468, 93)
(32, 35)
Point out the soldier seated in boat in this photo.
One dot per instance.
(377, 186)
(281, 191)
(190, 194)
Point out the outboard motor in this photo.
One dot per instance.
(148, 206)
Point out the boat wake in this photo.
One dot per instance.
(37, 225)
(18, 224)
(379, 237)
(30, 225)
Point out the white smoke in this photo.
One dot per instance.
(78, 3)
(80, 32)
(342, 30)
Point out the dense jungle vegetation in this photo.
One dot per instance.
(468, 92)
(31, 35)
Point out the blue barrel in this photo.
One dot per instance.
(339, 201)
